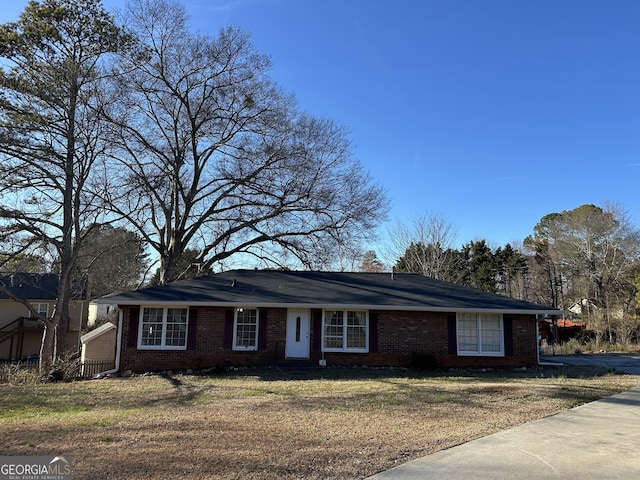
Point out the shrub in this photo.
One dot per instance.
(17, 373)
(423, 361)
(66, 368)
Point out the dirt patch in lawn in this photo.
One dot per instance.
(331, 423)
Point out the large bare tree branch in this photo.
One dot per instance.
(215, 158)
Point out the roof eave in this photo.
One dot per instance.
(87, 337)
(412, 308)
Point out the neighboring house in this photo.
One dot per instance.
(560, 330)
(259, 317)
(101, 313)
(585, 308)
(581, 307)
(20, 333)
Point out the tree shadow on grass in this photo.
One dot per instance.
(362, 373)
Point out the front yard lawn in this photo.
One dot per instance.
(331, 423)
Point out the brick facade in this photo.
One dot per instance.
(400, 339)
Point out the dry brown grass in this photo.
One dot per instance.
(335, 423)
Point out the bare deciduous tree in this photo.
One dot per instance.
(597, 251)
(216, 158)
(425, 245)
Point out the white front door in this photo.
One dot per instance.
(297, 333)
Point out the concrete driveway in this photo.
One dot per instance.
(596, 440)
(620, 362)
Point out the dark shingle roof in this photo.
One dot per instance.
(31, 286)
(271, 288)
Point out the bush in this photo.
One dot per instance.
(591, 346)
(423, 361)
(65, 369)
(19, 373)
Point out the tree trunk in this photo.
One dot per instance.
(47, 347)
(61, 314)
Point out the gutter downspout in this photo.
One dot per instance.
(118, 348)
(537, 340)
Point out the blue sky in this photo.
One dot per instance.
(493, 113)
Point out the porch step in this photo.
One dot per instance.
(294, 365)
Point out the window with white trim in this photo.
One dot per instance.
(245, 329)
(163, 328)
(40, 307)
(345, 331)
(480, 334)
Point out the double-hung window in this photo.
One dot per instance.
(480, 334)
(163, 328)
(345, 331)
(245, 329)
(41, 308)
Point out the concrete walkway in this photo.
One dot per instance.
(596, 440)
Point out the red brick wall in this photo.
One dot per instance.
(209, 348)
(406, 338)
(403, 337)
